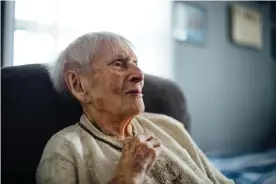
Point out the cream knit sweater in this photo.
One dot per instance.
(81, 154)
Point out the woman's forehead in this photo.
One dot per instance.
(115, 48)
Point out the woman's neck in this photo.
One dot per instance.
(108, 123)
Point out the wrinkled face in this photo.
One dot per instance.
(115, 83)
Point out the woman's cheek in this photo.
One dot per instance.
(116, 84)
(114, 88)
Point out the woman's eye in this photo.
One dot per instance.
(118, 64)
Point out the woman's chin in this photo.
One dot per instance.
(136, 108)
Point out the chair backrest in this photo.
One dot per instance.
(32, 111)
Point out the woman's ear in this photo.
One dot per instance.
(77, 85)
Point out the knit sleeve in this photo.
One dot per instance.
(176, 130)
(56, 166)
(187, 142)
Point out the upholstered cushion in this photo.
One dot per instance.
(32, 111)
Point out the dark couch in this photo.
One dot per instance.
(32, 112)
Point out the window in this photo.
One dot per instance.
(44, 28)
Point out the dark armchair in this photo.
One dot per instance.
(32, 111)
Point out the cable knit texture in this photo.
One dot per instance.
(74, 156)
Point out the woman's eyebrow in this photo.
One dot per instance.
(121, 56)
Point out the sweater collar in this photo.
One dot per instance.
(84, 121)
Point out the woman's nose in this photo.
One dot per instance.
(136, 74)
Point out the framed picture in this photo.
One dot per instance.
(246, 26)
(189, 23)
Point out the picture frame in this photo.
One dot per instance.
(189, 23)
(246, 27)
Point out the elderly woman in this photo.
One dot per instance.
(115, 142)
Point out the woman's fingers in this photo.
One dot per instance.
(142, 151)
(129, 147)
(144, 137)
(147, 152)
(138, 156)
(154, 143)
(153, 153)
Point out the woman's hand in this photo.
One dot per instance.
(138, 156)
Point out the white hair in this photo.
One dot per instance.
(79, 54)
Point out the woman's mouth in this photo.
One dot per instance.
(135, 93)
